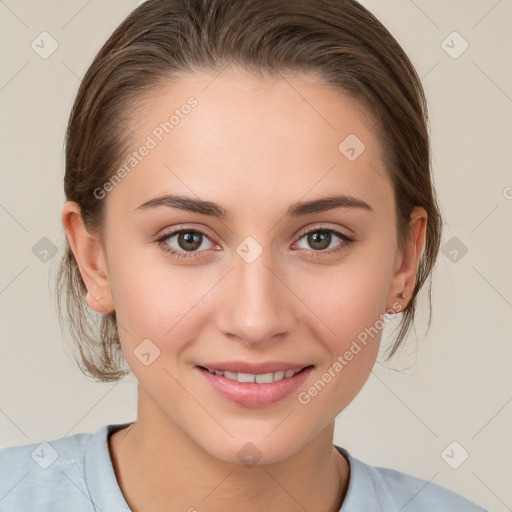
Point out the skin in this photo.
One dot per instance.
(255, 147)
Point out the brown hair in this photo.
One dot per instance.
(338, 39)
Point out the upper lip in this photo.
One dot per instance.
(254, 368)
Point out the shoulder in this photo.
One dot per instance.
(389, 489)
(47, 475)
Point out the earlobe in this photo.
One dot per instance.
(96, 303)
(89, 255)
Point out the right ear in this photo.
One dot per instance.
(90, 257)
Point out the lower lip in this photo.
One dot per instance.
(252, 394)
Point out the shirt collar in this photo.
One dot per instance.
(100, 477)
(361, 487)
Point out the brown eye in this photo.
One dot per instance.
(186, 241)
(189, 241)
(319, 240)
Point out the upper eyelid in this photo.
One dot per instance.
(305, 231)
(175, 231)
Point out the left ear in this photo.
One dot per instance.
(406, 268)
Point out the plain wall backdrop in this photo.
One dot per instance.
(448, 395)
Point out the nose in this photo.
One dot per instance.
(257, 304)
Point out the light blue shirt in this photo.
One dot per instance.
(75, 474)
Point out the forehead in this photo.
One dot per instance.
(234, 135)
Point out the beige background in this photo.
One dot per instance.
(455, 384)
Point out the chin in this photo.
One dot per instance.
(254, 450)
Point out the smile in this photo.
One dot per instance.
(254, 385)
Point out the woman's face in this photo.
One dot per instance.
(251, 291)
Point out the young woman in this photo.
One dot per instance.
(248, 193)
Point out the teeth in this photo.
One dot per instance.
(245, 377)
(262, 378)
(265, 378)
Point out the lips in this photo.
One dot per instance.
(254, 385)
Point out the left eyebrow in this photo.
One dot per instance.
(327, 203)
(216, 210)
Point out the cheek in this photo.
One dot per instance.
(349, 300)
(157, 323)
(348, 297)
(350, 330)
(156, 301)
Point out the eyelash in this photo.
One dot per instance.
(348, 241)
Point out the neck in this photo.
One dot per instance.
(158, 466)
